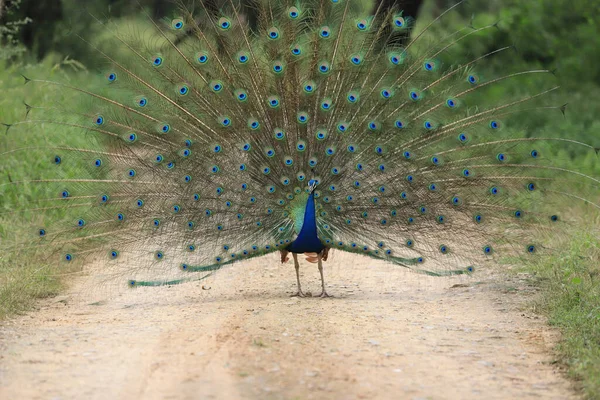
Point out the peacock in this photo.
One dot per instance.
(318, 128)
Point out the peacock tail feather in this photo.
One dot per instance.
(198, 148)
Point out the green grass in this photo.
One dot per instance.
(570, 298)
(24, 276)
(22, 282)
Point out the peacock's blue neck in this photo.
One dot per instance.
(307, 240)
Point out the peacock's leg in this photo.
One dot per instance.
(297, 266)
(320, 258)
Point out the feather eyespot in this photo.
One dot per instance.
(352, 97)
(296, 50)
(309, 87)
(324, 67)
(157, 61)
(273, 33)
(397, 58)
(293, 12)
(225, 121)
(398, 22)
(216, 86)
(386, 93)
(273, 101)
(183, 90)
(202, 57)
(362, 24)
(224, 23)
(325, 32)
(279, 134)
(518, 214)
(253, 124)
(242, 57)
(278, 67)
(302, 117)
(356, 59)
(177, 23)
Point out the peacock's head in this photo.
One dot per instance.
(312, 185)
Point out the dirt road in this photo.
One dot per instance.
(388, 334)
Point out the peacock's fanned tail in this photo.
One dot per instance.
(202, 138)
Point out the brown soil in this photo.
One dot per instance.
(388, 334)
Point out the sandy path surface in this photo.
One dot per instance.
(388, 334)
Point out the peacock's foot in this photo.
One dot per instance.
(299, 293)
(324, 294)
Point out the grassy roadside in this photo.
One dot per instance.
(570, 298)
(24, 276)
(23, 282)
